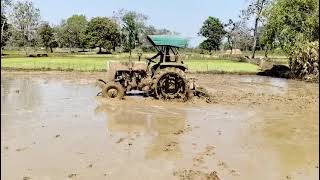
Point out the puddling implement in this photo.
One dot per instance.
(164, 79)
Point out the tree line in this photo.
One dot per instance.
(282, 24)
(125, 30)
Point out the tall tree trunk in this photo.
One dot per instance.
(24, 46)
(70, 47)
(2, 28)
(266, 52)
(51, 50)
(255, 37)
(230, 45)
(99, 49)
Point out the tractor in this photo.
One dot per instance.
(164, 78)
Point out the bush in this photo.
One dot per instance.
(304, 61)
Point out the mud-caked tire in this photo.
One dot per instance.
(113, 90)
(170, 83)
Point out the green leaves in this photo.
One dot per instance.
(133, 25)
(214, 31)
(291, 22)
(46, 35)
(103, 32)
(304, 60)
(74, 30)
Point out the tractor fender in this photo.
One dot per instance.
(183, 67)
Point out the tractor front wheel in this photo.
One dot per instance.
(113, 90)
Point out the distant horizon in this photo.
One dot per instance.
(177, 16)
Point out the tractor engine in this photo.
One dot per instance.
(131, 80)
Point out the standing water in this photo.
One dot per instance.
(54, 127)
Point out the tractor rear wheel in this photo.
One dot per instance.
(170, 83)
(113, 90)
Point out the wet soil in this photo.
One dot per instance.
(54, 127)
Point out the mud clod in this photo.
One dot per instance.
(170, 146)
(90, 166)
(181, 131)
(21, 149)
(26, 178)
(72, 175)
(58, 135)
(120, 140)
(199, 159)
(192, 174)
(223, 164)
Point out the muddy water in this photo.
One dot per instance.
(53, 127)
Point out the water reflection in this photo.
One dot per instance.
(19, 92)
(164, 128)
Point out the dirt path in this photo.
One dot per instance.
(53, 127)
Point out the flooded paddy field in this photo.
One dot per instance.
(54, 127)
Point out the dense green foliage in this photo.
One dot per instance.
(214, 31)
(291, 23)
(103, 32)
(72, 31)
(304, 61)
(294, 26)
(46, 35)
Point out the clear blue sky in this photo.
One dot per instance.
(183, 16)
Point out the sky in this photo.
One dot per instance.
(183, 16)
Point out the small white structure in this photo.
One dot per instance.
(234, 51)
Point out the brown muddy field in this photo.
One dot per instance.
(54, 127)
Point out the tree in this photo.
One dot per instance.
(291, 23)
(133, 24)
(230, 32)
(214, 31)
(46, 35)
(25, 18)
(208, 44)
(243, 39)
(103, 32)
(5, 31)
(255, 9)
(5, 4)
(73, 30)
(62, 37)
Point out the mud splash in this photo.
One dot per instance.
(53, 127)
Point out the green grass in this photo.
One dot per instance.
(99, 63)
(221, 66)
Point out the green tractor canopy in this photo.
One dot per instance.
(167, 40)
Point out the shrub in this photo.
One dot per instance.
(304, 61)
